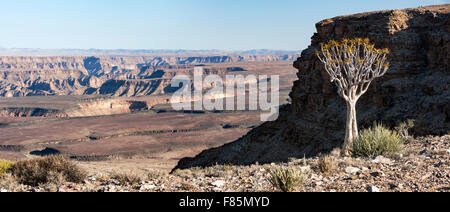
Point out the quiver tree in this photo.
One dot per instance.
(352, 65)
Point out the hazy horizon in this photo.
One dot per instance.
(139, 52)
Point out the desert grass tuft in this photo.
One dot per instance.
(328, 164)
(5, 165)
(287, 178)
(377, 140)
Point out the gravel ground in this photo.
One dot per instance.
(424, 167)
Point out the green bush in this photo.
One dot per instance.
(377, 140)
(45, 170)
(5, 165)
(287, 179)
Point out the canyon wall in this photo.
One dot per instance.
(95, 107)
(416, 87)
(108, 107)
(104, 75)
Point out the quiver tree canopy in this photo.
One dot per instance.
(352, 65)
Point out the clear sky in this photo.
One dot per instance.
(174, 24)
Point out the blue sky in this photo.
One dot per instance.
(174, 24)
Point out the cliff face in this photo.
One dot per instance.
(107, 107)
(416, 87)
(105, 75)
(95, 107)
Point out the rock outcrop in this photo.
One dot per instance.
(416, 87)
(107, 107)
(87, 108)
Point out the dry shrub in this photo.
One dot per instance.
(218, 171)
(103, 178)
(126, 178)
(404, 127)
(190, 173)
(187, 187)
(8, 182)
(183, 173)
(156, 175)
(52, 169)
(287, 179)
(328, 164)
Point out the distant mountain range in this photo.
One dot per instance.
(97, 52)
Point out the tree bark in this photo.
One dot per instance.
(351, 131)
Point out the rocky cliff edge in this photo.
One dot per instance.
(416, 87)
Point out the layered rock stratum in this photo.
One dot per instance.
(416, 87)
(104, 75)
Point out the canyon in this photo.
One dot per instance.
(116, 109)
(105, 75)
(92, 79)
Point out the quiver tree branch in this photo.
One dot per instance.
(352, 65)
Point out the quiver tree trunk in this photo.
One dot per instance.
(351, 131)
